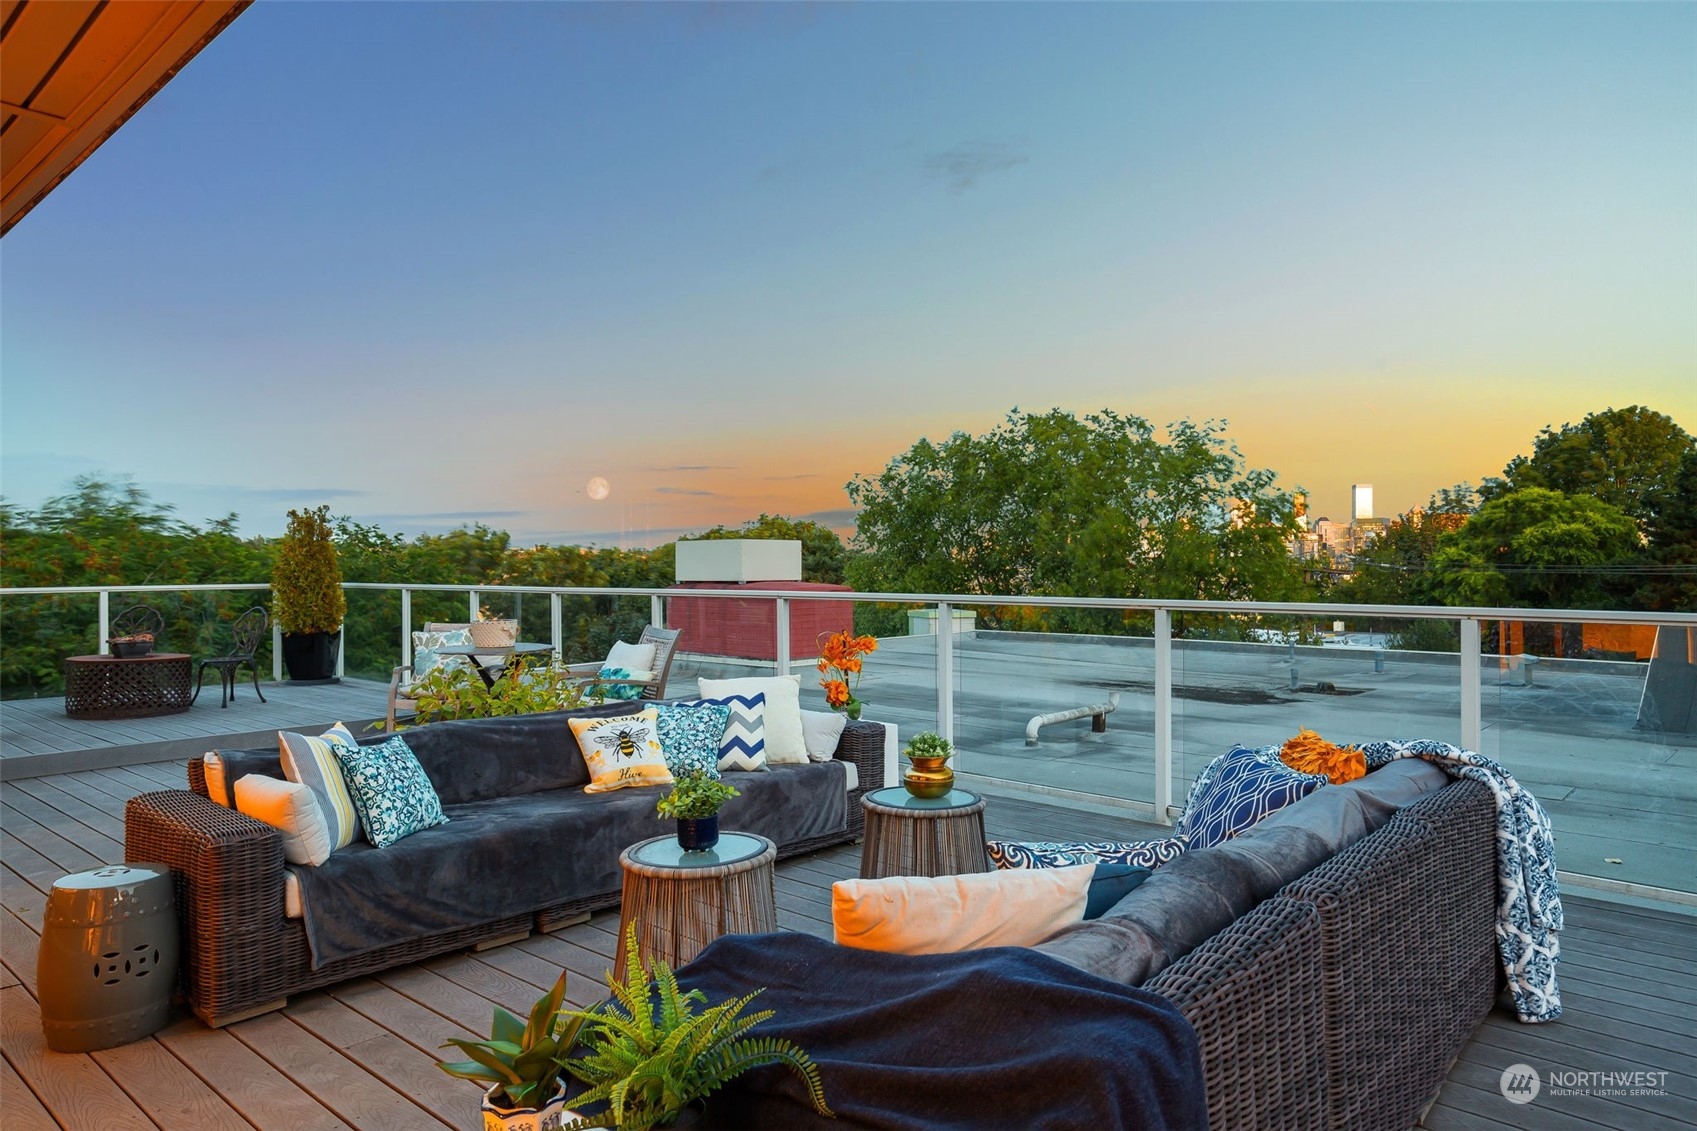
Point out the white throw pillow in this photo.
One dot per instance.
(631, 657)
(292, 809)
(943, 914)
(823, 730)
(786, 742)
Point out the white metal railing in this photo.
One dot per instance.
(1165, 762)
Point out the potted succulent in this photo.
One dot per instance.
(307, 598)
(929, 774)
(522, 1063)
(652, 1061)
(694, 801)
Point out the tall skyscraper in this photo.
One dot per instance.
(1360, 501)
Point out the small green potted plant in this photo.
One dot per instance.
(694, 802)
(929, 775)
(306, 597)
(522, 1064)
(651, 1061)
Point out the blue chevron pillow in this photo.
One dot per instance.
(1237, 789)
(744, 744)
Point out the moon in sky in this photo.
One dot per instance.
(598, 488)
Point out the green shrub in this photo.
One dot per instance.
(306, 582)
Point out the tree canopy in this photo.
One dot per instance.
(1050, 504)
(1618, 456)
(1536, 548)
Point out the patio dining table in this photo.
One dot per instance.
(490, 661)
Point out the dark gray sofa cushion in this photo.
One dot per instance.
(480, 759)
(508, 856)
(1191, 899)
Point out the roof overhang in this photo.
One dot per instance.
(73, 71)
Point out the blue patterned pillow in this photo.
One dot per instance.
(690, 736)
(1237, 789)
(390, 790)
(743, 746)
(1060, 853)
(619, 690)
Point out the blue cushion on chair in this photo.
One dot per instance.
(1109, 885)
(1236, 790)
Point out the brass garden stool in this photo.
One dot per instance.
(681, 901)
(917, 836)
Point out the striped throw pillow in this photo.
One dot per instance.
(312, 763)
(743, 746)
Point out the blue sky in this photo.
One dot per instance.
(443, 263)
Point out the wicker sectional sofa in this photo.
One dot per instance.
(1330, 989)
(244, 955)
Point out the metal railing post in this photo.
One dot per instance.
(783, 630)
(946, 673)
(1163, 715)
(105, 621)
(657, 610)
(406, 628)
(471, 607)
(557, 626)
(1470, 674)
(341, 649)
(276, 651)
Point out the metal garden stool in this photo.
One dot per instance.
(108, 960)
(246, 634)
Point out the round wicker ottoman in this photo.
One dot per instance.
(915, 836)
(681, 901)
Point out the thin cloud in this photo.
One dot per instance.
(448, 516)
(963, 166)
(682, 491)
(786, 478)
(697, 467)
(268, 494)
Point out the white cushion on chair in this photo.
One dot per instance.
(631, 657)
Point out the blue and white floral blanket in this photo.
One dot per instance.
(1529, 916)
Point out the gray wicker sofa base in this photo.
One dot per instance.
(242, 955)
(1338, 999)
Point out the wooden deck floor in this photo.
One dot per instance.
(361, 1054)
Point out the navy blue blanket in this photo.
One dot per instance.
(997, 1038)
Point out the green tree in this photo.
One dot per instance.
(1048, 504)
(823, 555)
(1618, 456)
(1672, 532)
(1538, 549)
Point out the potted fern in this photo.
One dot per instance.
(694, 803)
(522, 1065)
(649, 1061)
(306, 597)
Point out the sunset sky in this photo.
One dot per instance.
(435, 264)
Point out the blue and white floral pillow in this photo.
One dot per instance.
(1236, 790)
(1149, 854)
(426, 659)
(390, 790)
(743, 746)
(690, 736)
(619, 690)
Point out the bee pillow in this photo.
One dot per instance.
(622, 751)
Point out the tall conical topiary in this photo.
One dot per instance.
(306, 582)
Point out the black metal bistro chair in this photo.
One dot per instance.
(245, 634)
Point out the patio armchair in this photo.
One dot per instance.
(665, 641)
(245, 636)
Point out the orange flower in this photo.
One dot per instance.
(836, 693)
(1308, 753)
(840, 661)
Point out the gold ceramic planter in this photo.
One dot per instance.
(928, 777)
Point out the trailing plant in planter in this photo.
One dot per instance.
(522, 689)
(522, 1061)
(306, 595)
(694, 802)
(648, 1062)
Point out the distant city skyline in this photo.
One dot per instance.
(723, 258)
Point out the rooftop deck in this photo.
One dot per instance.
(361, 1054)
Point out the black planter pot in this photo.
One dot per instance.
(310, 657)
(698, 834)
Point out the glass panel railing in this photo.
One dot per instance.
(1600, 723)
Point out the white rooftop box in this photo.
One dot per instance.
(740, 559)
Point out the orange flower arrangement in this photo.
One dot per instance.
(840, 660)
(1308, 753)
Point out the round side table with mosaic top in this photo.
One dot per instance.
(681, 901)
(915, 836)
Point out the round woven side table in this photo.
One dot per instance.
(681, 901)
(917, 836)
(105, 687)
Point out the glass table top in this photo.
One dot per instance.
(665, 852)
(899, 798)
